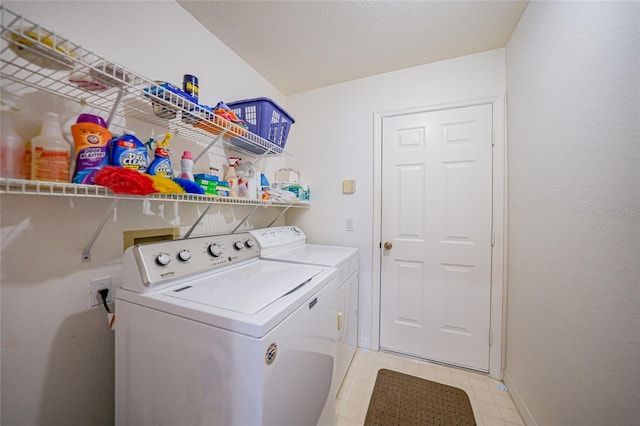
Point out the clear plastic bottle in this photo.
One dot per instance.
(50, 152)
(12, 149)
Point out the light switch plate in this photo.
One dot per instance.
(349, 186)
(349, 225)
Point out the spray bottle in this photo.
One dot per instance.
(231, 175)
(161, 164)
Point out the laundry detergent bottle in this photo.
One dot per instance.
(161, 164)
(91, 138)
(50, 152)
(128, 152)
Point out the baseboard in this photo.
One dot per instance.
(526, 415)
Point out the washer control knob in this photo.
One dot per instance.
(238, 245)
(163, 259)
(215, 250)
(184, 255)
(249, 243)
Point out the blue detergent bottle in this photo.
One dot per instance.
(128, 152)
(161, 164)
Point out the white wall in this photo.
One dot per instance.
(333, 140)
(573, 344)
(57, 352)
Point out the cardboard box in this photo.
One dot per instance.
(287, 175)
(208, 182)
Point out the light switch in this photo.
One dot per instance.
(349, 186)
(349, 225)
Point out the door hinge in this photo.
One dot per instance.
(490, 337)
(493, 238)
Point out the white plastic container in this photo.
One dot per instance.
(232, 178)
(11, 149)
(186, 166)
(50, 152)
(253, 183)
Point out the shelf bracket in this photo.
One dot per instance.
(279, 216)
(115, 106)
(245, 219)
(263, 156)
(211, 144)
(193, 227)
(86, 253)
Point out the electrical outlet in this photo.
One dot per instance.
(97, 285)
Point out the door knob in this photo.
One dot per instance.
(388, 246)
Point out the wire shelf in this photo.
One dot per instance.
(36, 59)
(31, 187)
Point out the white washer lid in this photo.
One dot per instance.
(315, 254)
(247, 289)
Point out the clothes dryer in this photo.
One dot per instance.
(288, 244)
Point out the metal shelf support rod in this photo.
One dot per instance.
(193, 227)
(211, 144)
(115, 106)
(86, 253)
(282, 212)
(245, 219)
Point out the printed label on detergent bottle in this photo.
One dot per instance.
(128, 152)
(50, 165)
(161, 164)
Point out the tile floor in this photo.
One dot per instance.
(491, 406)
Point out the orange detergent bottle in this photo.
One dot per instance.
(50, 152)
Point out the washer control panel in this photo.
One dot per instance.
(150, 265)
(278, 238)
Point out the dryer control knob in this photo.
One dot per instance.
(215, 250)
(163, 259)
(249, 243)
(184, 255)
(238, 245)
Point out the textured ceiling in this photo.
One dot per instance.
(303, 45)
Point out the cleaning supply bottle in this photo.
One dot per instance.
(50, 152)
(11, 149)
(231, 176)
(26, 160)
(161, 164)
(127, 151)
(186, 165)
(253, 182)
(91, 138)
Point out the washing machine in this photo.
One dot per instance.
(288, 244)
(207, 333)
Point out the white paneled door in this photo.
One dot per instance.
(437, 235)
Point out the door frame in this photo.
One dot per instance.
(499, 224)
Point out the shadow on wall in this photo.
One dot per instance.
(79, 385)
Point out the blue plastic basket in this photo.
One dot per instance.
(264, 118)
